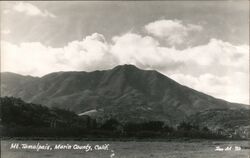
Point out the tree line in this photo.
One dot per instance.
(21, 119)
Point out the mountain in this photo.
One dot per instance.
(226, 118)
(124, 92)
(229, 122)
(15, 112)
(21, 119)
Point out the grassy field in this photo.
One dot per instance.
(130, 149)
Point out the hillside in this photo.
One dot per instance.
(124, 92)
(21, 119)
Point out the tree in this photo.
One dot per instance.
(111, 124)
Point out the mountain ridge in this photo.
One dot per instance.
(123, 92)
(61, 72)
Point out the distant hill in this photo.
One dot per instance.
(21, 119)
(227, 121)
(124, 92)
(17, 113)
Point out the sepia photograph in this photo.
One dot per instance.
(124, 79)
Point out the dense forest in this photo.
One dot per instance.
(21, 119)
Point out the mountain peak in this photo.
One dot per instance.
(126, 66)
(124, 91)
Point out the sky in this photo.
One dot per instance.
(201, 44)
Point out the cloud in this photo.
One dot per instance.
(217, 68)
(31, 10)
(173, 31)
(5, 31)
(6, 11)
(233, 87)
(36, 59)
(135, 49)
(211, 57)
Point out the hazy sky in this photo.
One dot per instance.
(204, 45)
